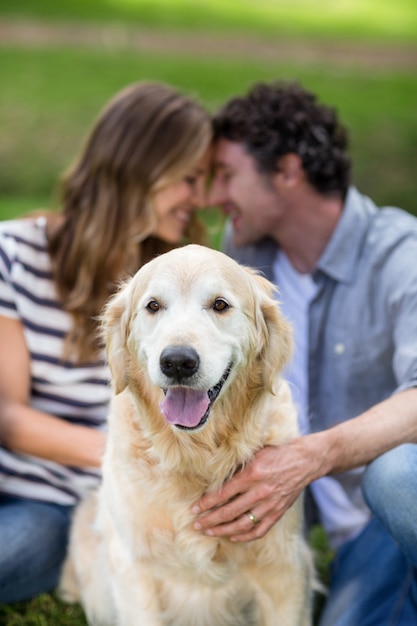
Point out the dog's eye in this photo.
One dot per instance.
(220, 305)
(153, 306)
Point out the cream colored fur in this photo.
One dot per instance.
(134, 558)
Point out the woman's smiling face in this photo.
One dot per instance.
(175, 203)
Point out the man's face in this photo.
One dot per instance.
(248, 197)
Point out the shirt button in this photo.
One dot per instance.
(339, 348)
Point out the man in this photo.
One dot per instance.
(347, 279)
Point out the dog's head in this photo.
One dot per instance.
(191, 321)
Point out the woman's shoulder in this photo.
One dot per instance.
(24, 241)
(31, 230)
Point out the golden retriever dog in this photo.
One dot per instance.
(195, 344)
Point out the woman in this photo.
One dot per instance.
(131, 194)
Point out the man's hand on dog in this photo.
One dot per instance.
(266, 488)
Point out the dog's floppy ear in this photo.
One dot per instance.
(274, 332)
(115, 327)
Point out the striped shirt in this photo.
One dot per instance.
(76, 393)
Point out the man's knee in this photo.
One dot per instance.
(389, 478)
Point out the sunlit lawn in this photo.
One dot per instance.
(50, 97)
(358, 19)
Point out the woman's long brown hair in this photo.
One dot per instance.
(148, 133)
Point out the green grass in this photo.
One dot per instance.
(348, 19)
(45, 610)
(51, 96)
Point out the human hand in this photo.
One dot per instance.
(266, 488)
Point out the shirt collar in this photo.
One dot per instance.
(339, 259)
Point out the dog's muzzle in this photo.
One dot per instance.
(185, 406)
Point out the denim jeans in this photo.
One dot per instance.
(33, 541)
(390, 489)
(374, 575)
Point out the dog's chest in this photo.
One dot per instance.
(162, 534)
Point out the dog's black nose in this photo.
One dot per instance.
(179, 362)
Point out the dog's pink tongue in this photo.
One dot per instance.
(184, 406)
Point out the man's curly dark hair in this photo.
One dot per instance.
(276, 119)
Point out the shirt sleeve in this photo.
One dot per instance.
(8, 306)
(401, 285)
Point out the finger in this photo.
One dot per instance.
(225, 514)
(256, 531)
(234, 518)
(217, 498)
(242, 529)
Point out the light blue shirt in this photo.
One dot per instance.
(363, 318)
(296, 291)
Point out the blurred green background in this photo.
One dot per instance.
(61, 61)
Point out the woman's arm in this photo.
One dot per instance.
(26, 430)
